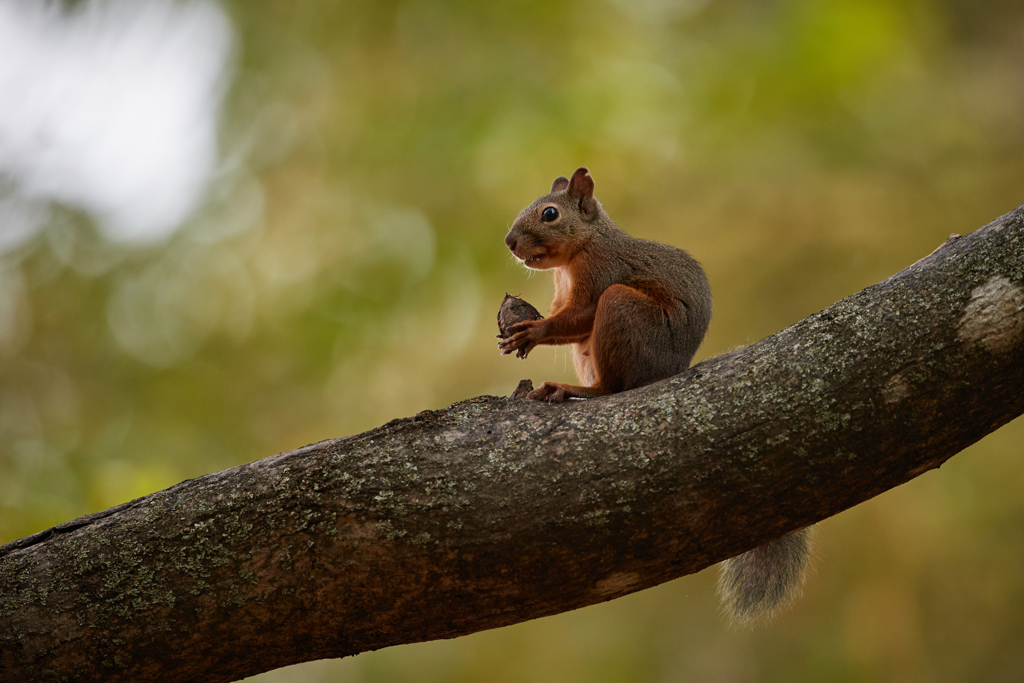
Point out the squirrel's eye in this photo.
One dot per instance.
(549, 214)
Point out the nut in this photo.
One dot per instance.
(514, 310)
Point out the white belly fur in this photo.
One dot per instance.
(583, 362)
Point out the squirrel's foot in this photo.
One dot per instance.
(552, 392)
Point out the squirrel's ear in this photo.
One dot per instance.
(581, 187)
(561, 182)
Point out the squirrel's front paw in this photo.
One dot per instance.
(523, 337)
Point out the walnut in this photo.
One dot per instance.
(514, 310)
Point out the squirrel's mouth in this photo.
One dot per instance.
(546, 257)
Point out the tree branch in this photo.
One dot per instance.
(494, 511)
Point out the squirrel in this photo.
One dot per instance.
(635, 312)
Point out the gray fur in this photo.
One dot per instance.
(754, 586)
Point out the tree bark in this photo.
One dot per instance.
(494, 511)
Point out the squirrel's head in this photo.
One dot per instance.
(549, 232)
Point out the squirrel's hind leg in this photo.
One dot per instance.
(632, 342)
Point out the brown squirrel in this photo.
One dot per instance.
(635, 312)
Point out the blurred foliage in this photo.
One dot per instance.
(348, 263)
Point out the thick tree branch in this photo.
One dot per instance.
(494, 511)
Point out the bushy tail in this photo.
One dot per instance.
(754, 586)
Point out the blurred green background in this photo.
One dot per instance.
(346, 265)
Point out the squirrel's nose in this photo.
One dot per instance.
(510, 241)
